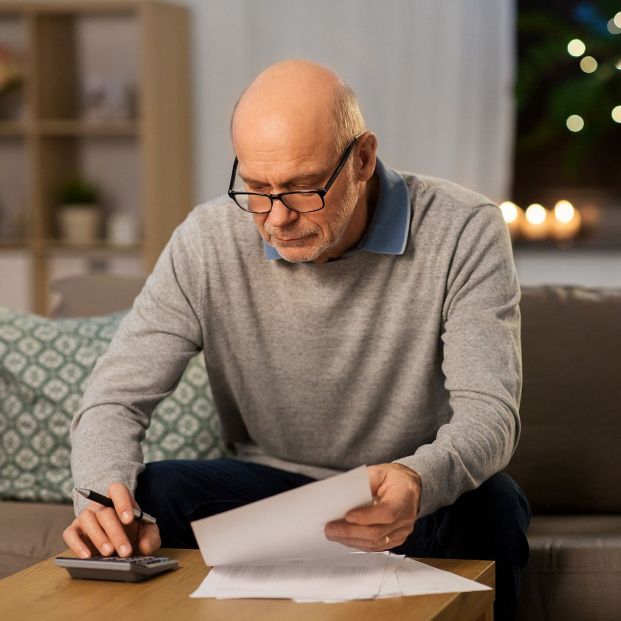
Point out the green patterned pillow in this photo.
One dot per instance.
(44, 364)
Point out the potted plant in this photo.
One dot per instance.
(79, 214)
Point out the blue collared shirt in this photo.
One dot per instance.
(389, 228)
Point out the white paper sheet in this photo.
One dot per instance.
(336, 579)
(416, 578)
(285, 526)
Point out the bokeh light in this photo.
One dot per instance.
(616, 114)
(536, 214)
(588, 64)
(576, 47)
(509, 211)
(575, 123)
(612, 27)
(564, 211)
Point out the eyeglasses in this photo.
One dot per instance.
(303, 201)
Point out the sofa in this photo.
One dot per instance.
(567, 462)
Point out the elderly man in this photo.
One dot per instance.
(372, 320)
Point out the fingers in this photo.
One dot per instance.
(149, 539)
(396, 490)
(104, 529)
(389, 521)
(123, 502)
(370, 536)
(78, 543)
(381, 512)
(99, 530)
(386, 542)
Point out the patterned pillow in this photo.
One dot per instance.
(44, 364)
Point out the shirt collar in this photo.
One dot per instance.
(389, 228)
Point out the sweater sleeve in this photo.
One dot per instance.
(482, 365)
(142, 366)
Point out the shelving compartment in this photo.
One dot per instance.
(87, 68)
(15, 205)
(112, 164)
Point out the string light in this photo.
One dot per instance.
(614, 24)
(538, 223)
(509, 211)
(576, 47)
(588, 64)
(536, 214)
(575, 123)
(566, 222)
(617, 19)
(616, 114)
(513, 216)
(564, 211)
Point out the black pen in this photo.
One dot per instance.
(107, 502)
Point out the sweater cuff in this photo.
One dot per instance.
(431, 491)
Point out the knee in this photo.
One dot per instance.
(158, 481)
(505, 501)
(508, 518)
(493, 519)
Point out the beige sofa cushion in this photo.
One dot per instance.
(31, 532)
(568, 457)
(94, 294)
(574, 571)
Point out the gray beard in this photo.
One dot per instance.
(342, 215)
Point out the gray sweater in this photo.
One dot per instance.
(318, 368)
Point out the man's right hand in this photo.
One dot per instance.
(100, 530)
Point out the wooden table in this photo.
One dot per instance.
(47, 592)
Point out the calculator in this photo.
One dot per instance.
(130, 569)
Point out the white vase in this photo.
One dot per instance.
(79, 224)
(122, 229)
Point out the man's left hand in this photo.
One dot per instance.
(388, 522)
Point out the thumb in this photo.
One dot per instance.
(377, 475)
(149, 538)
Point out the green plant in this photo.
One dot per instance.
(77, 192)
(552, 87)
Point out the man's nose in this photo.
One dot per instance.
(280, 215)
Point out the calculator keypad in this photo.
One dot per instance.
(141, 560)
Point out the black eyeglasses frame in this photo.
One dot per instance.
(321, 192)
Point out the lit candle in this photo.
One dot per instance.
(513, 216)
(536, 223)
(566, 221)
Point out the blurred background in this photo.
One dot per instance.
(114, 119)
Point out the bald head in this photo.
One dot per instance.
(296, 100)
(289, 131)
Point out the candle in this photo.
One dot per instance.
(536, 223)
(513, 216)
(566, 221)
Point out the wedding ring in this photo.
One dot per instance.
(386, 540)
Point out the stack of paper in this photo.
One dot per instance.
(335, 579)
(276, 548)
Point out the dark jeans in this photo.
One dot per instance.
(487, 523)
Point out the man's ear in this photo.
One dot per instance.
(367, 149)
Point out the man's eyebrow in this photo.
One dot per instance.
(297, 180)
